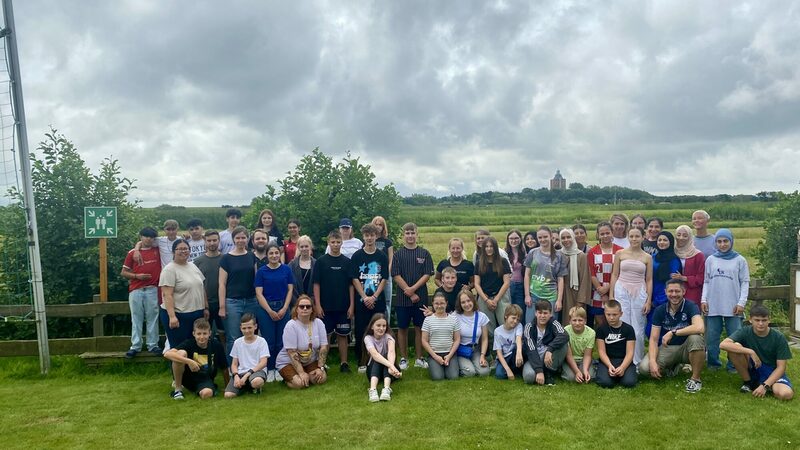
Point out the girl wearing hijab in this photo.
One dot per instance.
(693, 264)
(665, 265)
(725, 289)
(577, 284)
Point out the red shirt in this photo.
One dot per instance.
(600, 266)
(151, 263)
(289, 250)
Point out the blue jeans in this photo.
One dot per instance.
(272, 330)
(234, 309)
(500, 371)
(144, 308)
(176, 336)
(517, 291)
(714, 332)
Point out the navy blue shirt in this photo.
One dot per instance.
(275, 282)
(663, 318)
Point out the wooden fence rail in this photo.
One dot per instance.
(100, 343)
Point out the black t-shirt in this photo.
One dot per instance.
(260, 262)
(383, 244)
(616, 339)
(368, 269)
(452, 297)
(210, 358)
(306, 280)
(491, 282)
(332, 273)
(649, 246)
(210, 269)
(464, 271)
(241, 274)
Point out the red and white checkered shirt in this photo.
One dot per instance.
(600, 266)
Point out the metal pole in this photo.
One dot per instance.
(30, 206)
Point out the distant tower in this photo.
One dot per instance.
(558, 182)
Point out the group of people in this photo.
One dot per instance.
(545, 301)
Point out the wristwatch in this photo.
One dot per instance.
(767, 387)
(674, 333)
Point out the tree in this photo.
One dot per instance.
(319, 193)
(62, 187)
(779, 247)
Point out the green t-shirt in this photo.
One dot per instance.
(580, 342)
(544, 274)
(769, 348)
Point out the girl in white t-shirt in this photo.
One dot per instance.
(380, 345)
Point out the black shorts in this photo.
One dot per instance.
(196, 382)
(336, 321)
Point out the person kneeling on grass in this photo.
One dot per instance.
(679, 326)
(441, 336)
(616, 343)
(380, 345)
(202, 357)
(759, 354)
(579, 366)
(546, 345)
(301, 361)
(250, 354)
(508, 344)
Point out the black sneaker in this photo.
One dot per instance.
(344, 368)
(176, 395)
(156, 350)
(131, 353)
(549, 380)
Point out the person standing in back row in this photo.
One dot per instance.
(703, 239)
(412, 267)
(350, 243)
(333, 295)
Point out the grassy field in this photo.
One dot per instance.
(126, 405)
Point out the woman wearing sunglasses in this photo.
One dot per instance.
(301, 361)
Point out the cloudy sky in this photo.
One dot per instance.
(205, 102)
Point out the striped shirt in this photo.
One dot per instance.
(411, 265)
(441, 331)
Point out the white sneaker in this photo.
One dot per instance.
(270, 376)
(362, 369)
(373, 395)
(421, 363)
(386, 394)
(403, 364)
(278, 377)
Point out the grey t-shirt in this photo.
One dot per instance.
(706, 244)
(545, 271)
(504, 339)
(210, 268)
(196, 248)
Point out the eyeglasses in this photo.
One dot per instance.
(303, 306)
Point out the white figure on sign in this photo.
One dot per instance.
(103, 222)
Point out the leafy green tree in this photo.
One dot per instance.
(319, 192)
(63, 186)
(779, 247)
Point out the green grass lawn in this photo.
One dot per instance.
(128, 406)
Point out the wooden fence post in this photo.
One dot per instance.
(97, 320)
